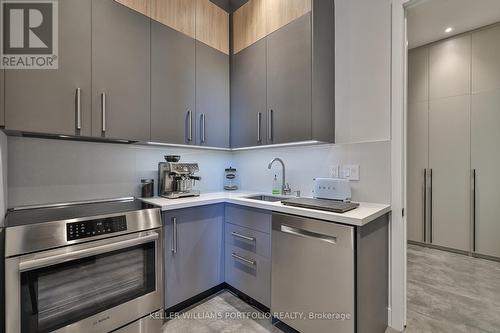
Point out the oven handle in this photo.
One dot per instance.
(30, 264)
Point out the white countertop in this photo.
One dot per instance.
(360, 216)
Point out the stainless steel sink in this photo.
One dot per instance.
(267, 198)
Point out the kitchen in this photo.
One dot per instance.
(203, 166)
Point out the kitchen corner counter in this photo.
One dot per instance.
(360, 216)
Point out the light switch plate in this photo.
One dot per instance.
(351, 172)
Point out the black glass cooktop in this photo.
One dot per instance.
(49, 213)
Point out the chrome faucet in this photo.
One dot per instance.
(285, 187)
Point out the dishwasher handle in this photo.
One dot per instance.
(308, 234)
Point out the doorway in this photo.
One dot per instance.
(452, 190)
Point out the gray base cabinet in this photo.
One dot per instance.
(212, 96)
(248, 96)
(172, 85)
(120, 72)
(46, 100)
(193, 252)
(248, 252)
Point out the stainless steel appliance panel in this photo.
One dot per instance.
(313, 273)
(97, 286)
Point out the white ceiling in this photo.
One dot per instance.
(428, 19)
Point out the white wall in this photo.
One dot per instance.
(304, 163)
(46, 171)
(362, 70)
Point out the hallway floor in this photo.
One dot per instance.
(453, 293)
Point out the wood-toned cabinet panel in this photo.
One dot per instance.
(417, 175)
(449, 68)
(486, 60)
(249, 24)
(172, 85)
(449, 159)
(212, 25)
(485, 136)
(177, 14)
(289, 62)
(121, 71)
(141, 6)
(282, 12)
(46, 100)
(248, 96)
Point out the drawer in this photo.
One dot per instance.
(249, 273)
(255, 219)
(249, 240)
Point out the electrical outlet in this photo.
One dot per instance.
(334, 171)
(351, 172)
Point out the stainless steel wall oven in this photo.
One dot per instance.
(96, 268)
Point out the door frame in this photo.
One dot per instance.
(398, 237)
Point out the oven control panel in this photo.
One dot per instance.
(92, 228)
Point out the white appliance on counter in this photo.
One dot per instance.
(332, 188)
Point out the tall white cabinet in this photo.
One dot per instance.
(453, 139)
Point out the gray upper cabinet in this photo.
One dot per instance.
(172, 85)
(46, 100)
(120, 72)
(193, 252)
(2, 98)
(248, 96)
(212, 96)
(289, 64)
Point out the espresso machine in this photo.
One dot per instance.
(176, 179)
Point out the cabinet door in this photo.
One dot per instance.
(485, 127)
(449, 160)
(281, 12)
(141, 6)
(289, 82)
(248, 96)
(120, 71)
(212, 96)
(45, 100)
(172, 85)
(485, 60)
(193, 252)
(2, 98)
(418, 143)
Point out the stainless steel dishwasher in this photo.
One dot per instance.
(313, 279)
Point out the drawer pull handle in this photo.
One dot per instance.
(235, 234)
(245, 260)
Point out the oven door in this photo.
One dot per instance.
(97, 286)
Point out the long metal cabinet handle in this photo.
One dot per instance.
(235, 234)
(83, 253)
(190, 125)
(103, 109)
(308, 234)
(425, 205)
(474, 210)
(259, 124)
(174, 235)
(430, 207)
(203, 127)
(78, 108)
(270, 125)
(240, 258)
